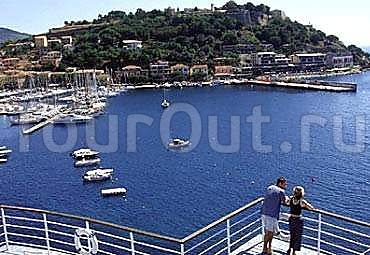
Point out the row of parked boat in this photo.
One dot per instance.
(88, 157)
(4, 154)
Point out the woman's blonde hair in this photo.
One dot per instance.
(298, 192)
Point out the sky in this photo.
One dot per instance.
(349, 20)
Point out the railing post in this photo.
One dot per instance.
(132, 242)
(228, 236)
(46, 232)
(87, 224)
(319, 236)
(5, 230)
(262, 227)
(182, 246)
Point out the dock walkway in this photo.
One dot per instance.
(39, 125)
(328, 86)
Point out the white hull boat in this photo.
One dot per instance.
(87, 162)
(165, 104)
(178, 143)
(114, 192)
(84, 154)
(97, 177)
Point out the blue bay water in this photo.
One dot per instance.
(177, 193)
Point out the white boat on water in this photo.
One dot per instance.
(3, 160)
(84, 153)
(114, 192)
(165, 103)
(5, 152)
(98, 175)
(87, 162)
(178, 143)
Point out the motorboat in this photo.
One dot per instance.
(84, 153)
(3, 160)
(100, 171)
(87, 162)
(5, 153)
(165, 103)
(113, 192)
(178, 143)
(98, 175)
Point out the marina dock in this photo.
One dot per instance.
(309, 85)
(39, 125)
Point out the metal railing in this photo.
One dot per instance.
(324, 233)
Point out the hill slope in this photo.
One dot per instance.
(8, 34)
(194, 37)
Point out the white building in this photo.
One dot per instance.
(263, 58)
(132, 44)
(309, 59)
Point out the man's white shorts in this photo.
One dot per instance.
(270, 224)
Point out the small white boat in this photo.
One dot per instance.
(113, 192)
(178, 143)
(4, 151)
(84, 153)
(3, 160)
(97, 175)
(165, 103)
(100, 171)
(87, 162)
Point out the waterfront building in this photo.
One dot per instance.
(180, 68)
(223, 71)
(282, 60)
(132, 71)
(132, 44)
(339, 61)
(266, 58)
(309, 60)
(199, 69)
(160, 70)
(41, 41)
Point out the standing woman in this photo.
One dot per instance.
(296, 203)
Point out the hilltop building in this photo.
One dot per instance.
(41, 41)
(132, 44)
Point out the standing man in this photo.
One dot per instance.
(274, 197)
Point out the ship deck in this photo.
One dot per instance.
(252, 247)
(22, 250)
(280, 247)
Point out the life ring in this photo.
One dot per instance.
(91, 239)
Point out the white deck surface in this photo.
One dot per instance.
(21, 250)
(254, 247)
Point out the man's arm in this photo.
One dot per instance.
(284, 199)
